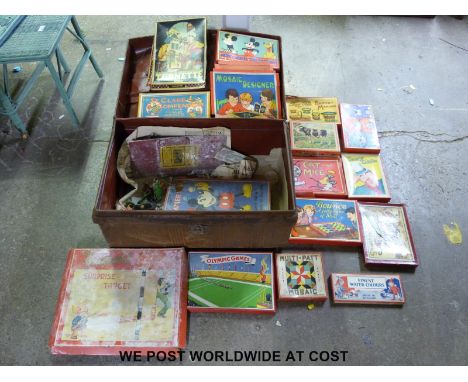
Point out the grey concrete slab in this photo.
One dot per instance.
(49, 185)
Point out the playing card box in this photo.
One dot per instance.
(387, 239)
(231, 282)
(319, 177)
(381, 289)
(327, 222)
(114, 300)
(300, 276)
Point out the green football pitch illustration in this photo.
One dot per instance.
(217, 292)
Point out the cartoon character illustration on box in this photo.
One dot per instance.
(162, 294)
(269, 53)
(393, 289)
(195, 107)
(328, 181)
(370, 183)
(229, 40)
(207, 200)
(232, 104)
(153, 107)
(297, 174)
(342, 290)
(351, 215)
(80, 320)
(268, 104)
(250, 48)
(246, 102)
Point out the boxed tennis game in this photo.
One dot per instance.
(319, 177)
(231, 282)
(380, 289)
(387, 239)
(327, 222)
(300, 276)
(114, 300)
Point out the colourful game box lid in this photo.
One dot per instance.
(387, 238)
(113, 300)
(232, 282)
(327, 222)
(310, 138)
(365, 177)
(359, 129)
(314, 109)
(350, 288)
(319, 177)
(300, 276)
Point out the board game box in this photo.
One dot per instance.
(233, 47)
(233, 282)
(367, 289)
(179, 54)
(217, 195)
(359, 129)
(315, 109)
(300, 276)
(174, 105)
(245, 94)
(327, 222)
(365, 177)
(309, 138)
(319, 177)
(386, 233)
(113, 300)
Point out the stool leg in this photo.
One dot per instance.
(9, 109)
(63, 91)
(86, 47)
(62, 60)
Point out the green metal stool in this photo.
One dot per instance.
(37, 39)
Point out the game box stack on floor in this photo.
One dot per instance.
(217, 197)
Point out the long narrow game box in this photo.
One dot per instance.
(383, 289)
(114, 300)
(231, 282)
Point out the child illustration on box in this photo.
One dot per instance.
(370, 184)
(268, 104)
(393, 290)
(351, 215)
(232, 104)
(79, 321)
(342, 290)
(246, 102)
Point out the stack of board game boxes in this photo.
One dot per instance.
(112, 300)
(342, 195)
(243, 75)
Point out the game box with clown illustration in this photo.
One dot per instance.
(231, 282)
(113, 300)
(381, 289)
(300, 276)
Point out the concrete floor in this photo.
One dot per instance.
(49, 183)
